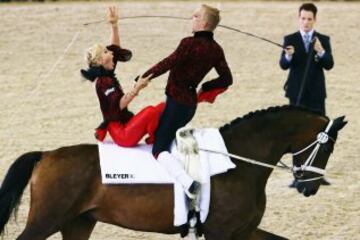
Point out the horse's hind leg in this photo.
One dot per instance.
(78, 229)
(32, 232)
(38, 227)
(40, 224)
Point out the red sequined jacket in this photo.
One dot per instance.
(189, 63)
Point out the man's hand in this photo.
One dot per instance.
(317, 46)
(289, 50)
(112, 16)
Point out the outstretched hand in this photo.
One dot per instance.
(142, 82)
(112, 16)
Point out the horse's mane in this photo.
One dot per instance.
(259, 113)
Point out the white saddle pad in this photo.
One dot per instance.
(121, 165)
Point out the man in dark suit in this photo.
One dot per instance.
(307, 53)
(308, 91)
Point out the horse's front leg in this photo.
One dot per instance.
(258, 234)
(217, 234)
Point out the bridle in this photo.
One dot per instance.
(322, 138)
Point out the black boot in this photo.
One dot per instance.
(193, 190)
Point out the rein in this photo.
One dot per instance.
(247, 160)
(322, 138)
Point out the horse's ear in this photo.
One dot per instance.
(339, 123)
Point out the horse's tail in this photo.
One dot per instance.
(14, 184)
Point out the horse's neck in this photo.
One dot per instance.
(250, 143)
(268, 138)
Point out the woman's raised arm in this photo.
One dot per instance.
(112, 18)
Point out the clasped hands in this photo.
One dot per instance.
(290, 50)
(141, 83)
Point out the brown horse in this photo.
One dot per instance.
(67, 194)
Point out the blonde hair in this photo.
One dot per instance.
(93, 54)
(212, 16)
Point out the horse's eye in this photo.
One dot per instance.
(328, 148)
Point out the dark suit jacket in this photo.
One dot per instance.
(314, 89)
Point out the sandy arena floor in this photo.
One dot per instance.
(44, 108)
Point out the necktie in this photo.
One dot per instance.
(307, 41)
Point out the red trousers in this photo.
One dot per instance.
(130, 133)
(145, 122)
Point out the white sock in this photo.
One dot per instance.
(175, 169)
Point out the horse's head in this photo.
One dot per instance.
(310, 161)
(262, 137)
